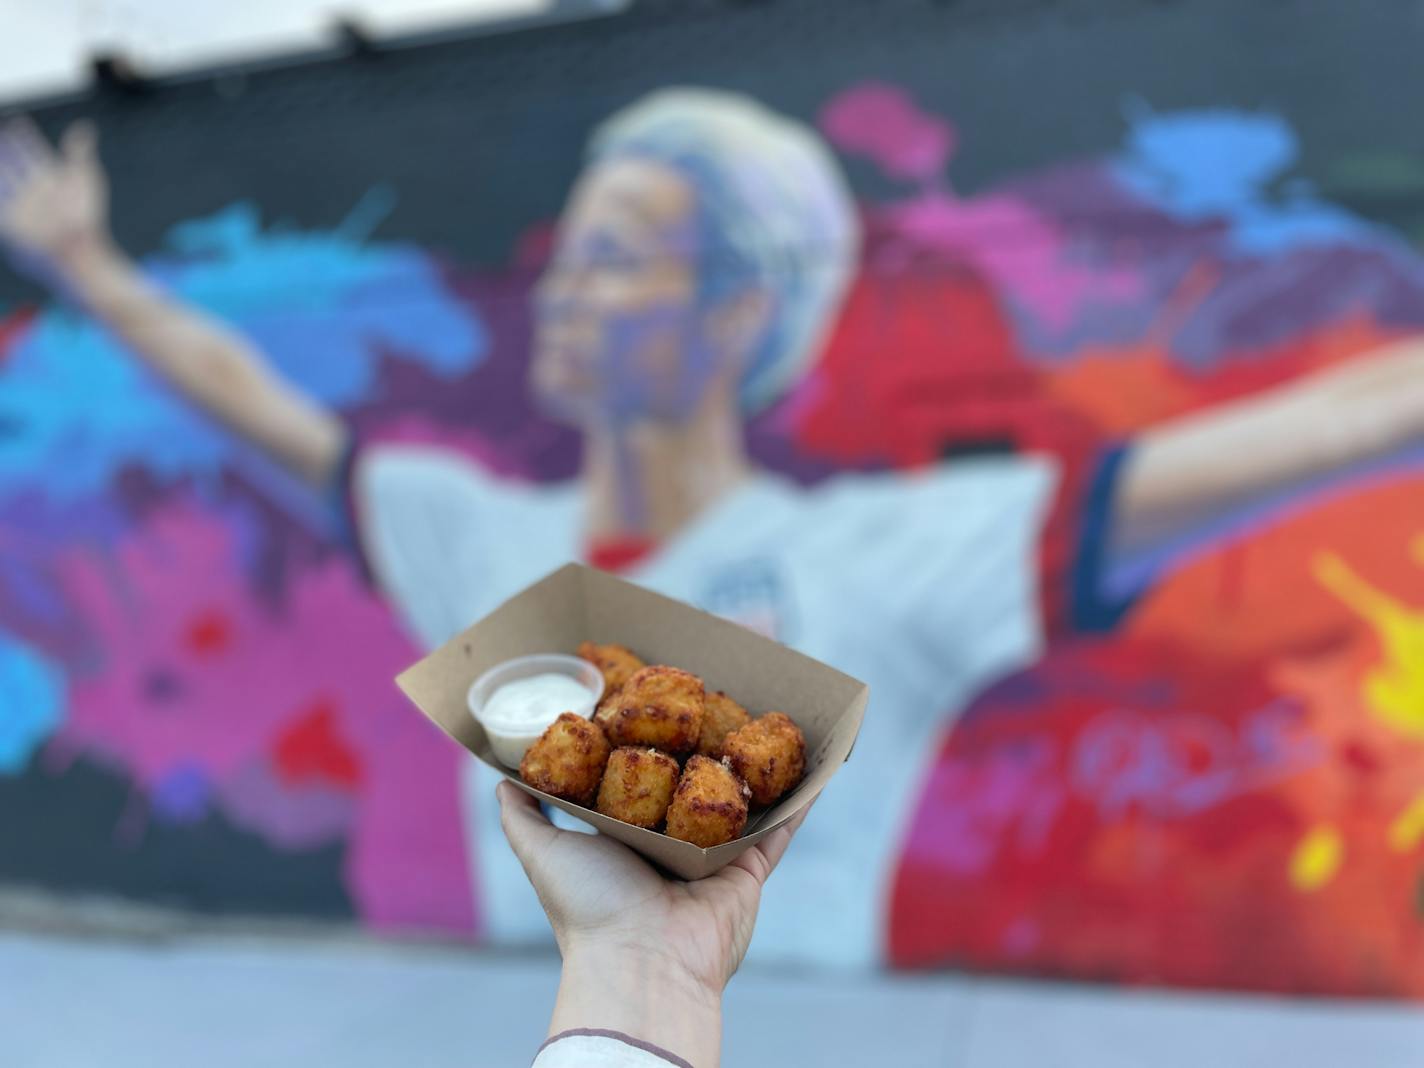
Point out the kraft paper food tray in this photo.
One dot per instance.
(577, 603)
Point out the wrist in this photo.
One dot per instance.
(642, 992)
(645, 956)
(82, 253)
(91, 270)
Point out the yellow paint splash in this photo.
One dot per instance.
(1407, 830)
(1317, 858)
(1394, 688)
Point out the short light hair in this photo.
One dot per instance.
(776, 214)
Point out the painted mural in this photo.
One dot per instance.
(1103, 477)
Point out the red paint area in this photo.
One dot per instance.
(311, 750)
(1148, 838)
(883, 390)
(208, 634)
(12, 327)
(1127, 809)
(620, 554)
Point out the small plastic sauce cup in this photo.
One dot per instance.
(510, 740)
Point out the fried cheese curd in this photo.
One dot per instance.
(709, 806)
(603, 714)
(769, 753)
(567, 760)
(721, 717)
(617, 662)
(658, 707)
(637, 786)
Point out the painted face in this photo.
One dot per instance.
(619, 328)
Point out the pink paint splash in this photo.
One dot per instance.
(882, 123)
(196, 675)
(1027, 256)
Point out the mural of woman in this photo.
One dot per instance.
(699, 268)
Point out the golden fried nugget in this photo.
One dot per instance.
(709, 806)
(637, 786)
(769, 753)
(617, 663)
(567, 759)
(722, 717)
(603, 714)
(659, 707)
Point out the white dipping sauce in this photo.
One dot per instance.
(535, 702)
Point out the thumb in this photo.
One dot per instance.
(524, 824)
(80, 143)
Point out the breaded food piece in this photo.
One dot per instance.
(658, 708)
(603, 714)
(709, 806)
(637, 786)
(616, 662)
(567, 760)
(769, 753)
(721, 718)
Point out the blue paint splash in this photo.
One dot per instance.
(323, 308)
(1218, 165)
(31, 703)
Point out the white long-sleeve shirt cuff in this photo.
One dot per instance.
(590, 1048)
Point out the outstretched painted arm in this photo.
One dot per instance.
(1213, 463)
(54, 221)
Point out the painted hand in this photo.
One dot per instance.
(52, 203)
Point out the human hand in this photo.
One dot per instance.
(643, 954)
(598, 892)
(53, 205)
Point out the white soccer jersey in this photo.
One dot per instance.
(924, 585)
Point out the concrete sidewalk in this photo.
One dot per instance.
(225, 1003)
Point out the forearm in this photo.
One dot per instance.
(1211, 463)
(211, 365)
(642, 996)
